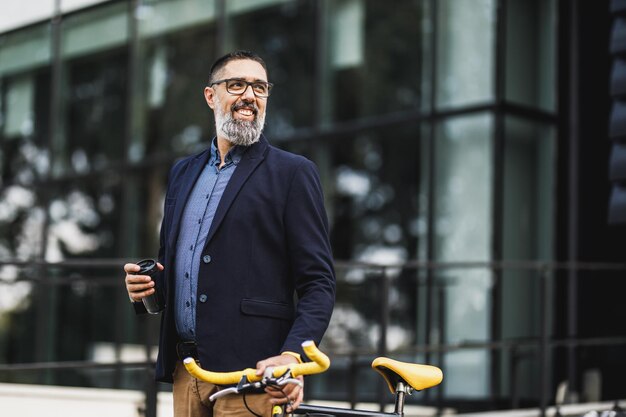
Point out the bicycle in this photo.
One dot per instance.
(402, 378)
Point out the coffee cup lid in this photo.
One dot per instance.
(146, 265)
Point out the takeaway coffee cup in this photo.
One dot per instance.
(155, 302)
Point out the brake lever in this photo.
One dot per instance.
(224, 392)
(286, 381)
(242, 386)
(267, 380)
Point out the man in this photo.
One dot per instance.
(245, 258)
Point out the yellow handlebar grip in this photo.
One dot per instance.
(320, 361)
(320, 364)
(219, 378)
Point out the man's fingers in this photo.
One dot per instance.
(260, 367)
(290, 393)
(295, 404)
(292, 400)
(131, 268)
(138, 286)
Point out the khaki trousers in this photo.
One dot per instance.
(191, 399)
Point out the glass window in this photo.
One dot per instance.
(281, 34)
(529, 182)
(93, 114)
(375, 58)
(145, 197)
(463, 233)
(161, 17)
(530, 53)
(24, 105)
(66, 313)
(465, 52)
(85, 219)
(463, 189)
(371, 183)
(176, 68)
(95, 110)
(22, 218)
(25, 50)
(528, 226)
(177, 48)
(24, 138)
(95, 30)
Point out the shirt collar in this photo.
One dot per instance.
(233, 156)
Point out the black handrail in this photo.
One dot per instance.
(37, 271)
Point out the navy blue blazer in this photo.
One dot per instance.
(266, 275)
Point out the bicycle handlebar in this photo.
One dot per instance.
(320, 364)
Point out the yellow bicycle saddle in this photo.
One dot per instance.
(419, 377)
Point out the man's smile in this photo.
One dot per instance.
(245, 110)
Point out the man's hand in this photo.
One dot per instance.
(293, 392)
(138, 286)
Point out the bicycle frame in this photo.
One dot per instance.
(402, 391)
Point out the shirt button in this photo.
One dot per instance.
(203, 298)
(188, 304)
(206, 259)
(186, 274)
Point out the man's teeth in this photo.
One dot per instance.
(245, 112)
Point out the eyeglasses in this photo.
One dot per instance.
(238, 86)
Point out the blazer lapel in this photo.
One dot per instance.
(250, 160)
(187, 181)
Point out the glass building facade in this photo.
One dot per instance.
(434, 124)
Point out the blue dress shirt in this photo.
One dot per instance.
(195, 224)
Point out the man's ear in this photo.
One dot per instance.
(209, 95)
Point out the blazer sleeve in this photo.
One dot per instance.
(310, 257)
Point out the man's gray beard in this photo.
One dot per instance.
(239, 132)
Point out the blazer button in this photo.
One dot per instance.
(206, 259)
(203, 298)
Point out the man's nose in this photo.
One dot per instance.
(248, 93)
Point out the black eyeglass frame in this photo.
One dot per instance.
(248, 84)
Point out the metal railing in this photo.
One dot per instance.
(94, 273)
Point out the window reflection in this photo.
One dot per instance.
(21, 223)
(85, 220)
(371, 185)
(96, 111)
(24, 107)
(93, 114)
(463, 233)
(282, 36)
(375, 195)
(24, 155)
(370, 71)
(530, 52)
(465, 54)
(177, 116)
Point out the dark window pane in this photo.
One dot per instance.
(25, 86)
(94, 90)
(22, 218)
(371, 181)
(282, 36)
(96, 110)
(375, 60)
(177, 69)
(85, 219)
